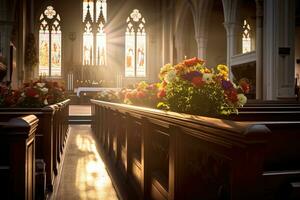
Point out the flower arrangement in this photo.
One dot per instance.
(187, 87)
(143, 94)
(33, 94)
(192, 88)
(110, 96)
(8, 97)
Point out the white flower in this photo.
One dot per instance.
(23, 94)
(44, 90)
(242, 99)
(41, 84)
(170, 76)
(234, 85)
(45, 102)
(208, 77)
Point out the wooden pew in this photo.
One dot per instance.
(268, 111)
(17, 153)
(173, 156)
(51, 134)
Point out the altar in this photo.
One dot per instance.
(93, 89)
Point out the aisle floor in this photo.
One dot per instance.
(79, 110)
(84, 174)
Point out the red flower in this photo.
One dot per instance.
(193, 61)
(232, 96)
(30, 92)
(245, 87)
(197, 81)
(161, 93)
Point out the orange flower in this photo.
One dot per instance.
(193, 61)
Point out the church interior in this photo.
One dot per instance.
(150, 99)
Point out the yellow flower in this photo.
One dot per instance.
(223, 68)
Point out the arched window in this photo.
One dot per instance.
(94, 36)
(135, 45)
(246, 37)
(50, 43)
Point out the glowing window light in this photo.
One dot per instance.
(135, 45)
(246, 37)
(50, 54)
(94, 55)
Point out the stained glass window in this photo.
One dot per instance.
(246, 37)
(94, 36)
(135, 45)
(50, 43)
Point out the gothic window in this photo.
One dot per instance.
(94, 36)
(246, 37)
(135, 45)
(50, 43)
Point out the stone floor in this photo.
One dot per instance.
(79, 110)
(84, 174)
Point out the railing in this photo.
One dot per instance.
(51, 134)
(17, 153)
(167, 155)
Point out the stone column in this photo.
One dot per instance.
(166, 29)
(259, 48)
(278, 52)
(202, 46)
(21, 31)
(231, 44)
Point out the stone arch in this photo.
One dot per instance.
(181, 35)
(216, 51)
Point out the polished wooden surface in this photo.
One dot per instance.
(17, 152)
(51, 134)
(166, 155)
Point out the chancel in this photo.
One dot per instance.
(150, 99)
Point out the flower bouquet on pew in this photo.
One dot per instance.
(34, 94)
(110, 96)
(190, 87)
(143, 94)
(41, 93)
(8, 96)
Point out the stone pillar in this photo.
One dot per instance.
(21, 31)
(259, 48)
(278, 52)
(166, 29)
(202, 46)
(231, 44)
